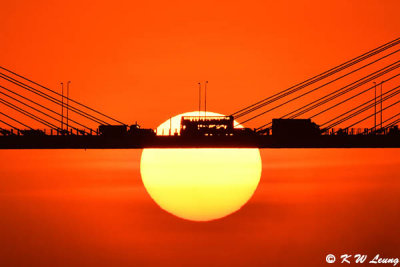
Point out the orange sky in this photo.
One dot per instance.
(141, 61)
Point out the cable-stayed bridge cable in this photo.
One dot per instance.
(52, 99)
(37, 110)
(11, 118)
(360, 82)
(355, 109)
(318, 77)
(28, 114)
(44, 107)
(74, 101)
(350, 98)
(363, 109)
(371, 115)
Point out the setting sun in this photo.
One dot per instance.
(200, 184)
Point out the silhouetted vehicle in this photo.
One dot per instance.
(342, 132)
(6, 132)
(265, 131)
(243, 132)
(379, 131)
(294, 128)
(32, 132)
(211, 126)
(83, 132)
(113, 130)
(206, 126)
(122, 130)
(136, 130)
(327, 131)
(64, 132)
(394, 130)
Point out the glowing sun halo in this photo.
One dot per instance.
(199, 184)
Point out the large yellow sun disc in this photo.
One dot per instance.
(200, 184)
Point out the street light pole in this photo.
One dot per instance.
(381, 105)
(205, 100)
(375, 108)
(199, 99)
(62, 107)
(67, 101)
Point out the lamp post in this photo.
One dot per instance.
(67, 101)
(199, 99)
(62, 106)
(381, 106)
(205, 100)
(375, 108)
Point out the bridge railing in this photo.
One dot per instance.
(357, 131)
(45, 132)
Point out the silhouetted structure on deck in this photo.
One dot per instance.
(301, 128)
(194, 126)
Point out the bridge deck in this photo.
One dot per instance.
(131, 142)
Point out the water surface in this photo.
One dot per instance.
(89, 208)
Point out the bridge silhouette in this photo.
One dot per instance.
(352, 105)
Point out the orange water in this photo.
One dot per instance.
(89, 208)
